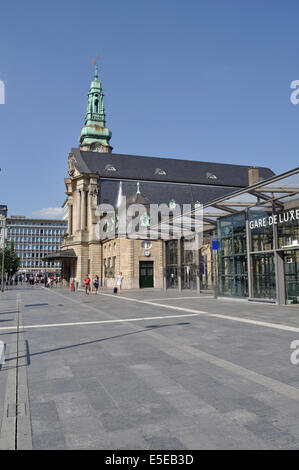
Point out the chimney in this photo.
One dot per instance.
(253, 175)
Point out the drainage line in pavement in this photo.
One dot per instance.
(16, 432)
(17, 373)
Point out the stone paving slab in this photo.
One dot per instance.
(171, 382)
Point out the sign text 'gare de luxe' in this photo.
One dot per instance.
(274, 219)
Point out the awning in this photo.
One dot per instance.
(60, 255)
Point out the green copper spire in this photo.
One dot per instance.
(94, 135)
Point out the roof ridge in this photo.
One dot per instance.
(112, 155)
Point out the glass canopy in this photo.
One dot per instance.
(281, 190)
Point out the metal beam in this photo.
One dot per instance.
(277, 189)
(236, 204)
(214, 214)
(224, 208)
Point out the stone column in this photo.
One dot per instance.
(69, 219)
(83, 209)
(87, 208)
(78, 209)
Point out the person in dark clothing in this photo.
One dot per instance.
(96, 283)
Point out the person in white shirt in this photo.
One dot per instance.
(119, 281)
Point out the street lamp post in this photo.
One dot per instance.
(3, 255)
(215, 247)
(4, 214)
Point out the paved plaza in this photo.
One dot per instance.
(146, 370)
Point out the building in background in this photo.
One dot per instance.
(3, 215)
(33, 239)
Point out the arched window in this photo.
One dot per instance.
(96, 106)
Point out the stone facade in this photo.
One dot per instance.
(82, 194)
(103, 258)
(125, 255)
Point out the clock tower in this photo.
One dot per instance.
(94, 135)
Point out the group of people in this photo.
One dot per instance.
(32, 280)
(95, 283)
(87, 284)
(15, 280)
(51, 281)
(48, 281)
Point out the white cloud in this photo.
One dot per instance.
(49, 213)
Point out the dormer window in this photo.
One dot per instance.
(159, 171)
(211, 176)
(110, 168)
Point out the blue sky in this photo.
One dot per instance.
(198, 80)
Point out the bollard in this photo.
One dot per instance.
(2, 353)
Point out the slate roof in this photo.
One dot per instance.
(164, 169)
(158, 193)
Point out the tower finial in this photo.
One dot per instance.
(94, 135)
(95, 63)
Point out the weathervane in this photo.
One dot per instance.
(95, 63)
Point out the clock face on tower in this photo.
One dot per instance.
(97, 148)
(145, 220)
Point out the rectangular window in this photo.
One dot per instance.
(264, 285)
(261, 233)
(288, 229)
(232, 258)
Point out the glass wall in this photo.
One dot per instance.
(258, 249)
(189, 259)
(232, 260)
(171, 247)
(264, 283)
(261, 232)
(181, 266)
(287, 230)
(274, 235)
(291, 272)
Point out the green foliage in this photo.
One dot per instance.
(11, 260)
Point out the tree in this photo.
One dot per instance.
(11, 260)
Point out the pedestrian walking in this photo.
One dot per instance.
(119, 281)
(96, 283)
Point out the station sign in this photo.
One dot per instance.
(275, 219)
